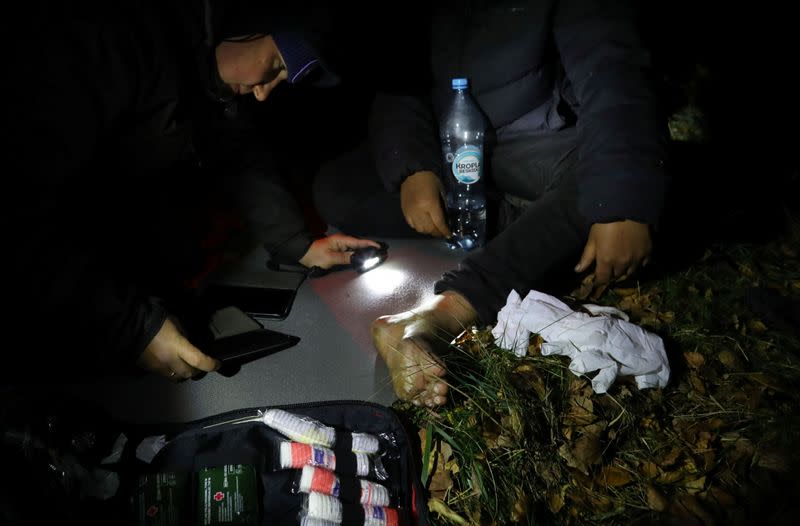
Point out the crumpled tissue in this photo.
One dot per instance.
(597, 342)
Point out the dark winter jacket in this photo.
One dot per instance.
(107, 168)
(522, 59)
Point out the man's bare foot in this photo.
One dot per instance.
(406, 341)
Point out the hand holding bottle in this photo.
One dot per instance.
(421, 202)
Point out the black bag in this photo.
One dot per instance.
(66, 463)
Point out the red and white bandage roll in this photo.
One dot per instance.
(296, 455)
(327, 482)
(327, 508)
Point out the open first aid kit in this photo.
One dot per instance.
(325, 463)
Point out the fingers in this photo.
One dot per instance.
(197, 360)
(440, 222)
(179, 371)
(343, 243)
(631, 269)
(616, 271)
(420, 202)
(410, 221)
(338, 258)
(586, 258)
(431, 222)
(188, 362)
(418, 221)
(172, 356)
(353, 242)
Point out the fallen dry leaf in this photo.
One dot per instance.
(588, 449)
(770, 381)
(670, 477)
(656, 500)
(526, 377)
(694, 359)
(742, 449)
(535, 345)
(693, 484)
(650, 319)
(772, 460)
(440, 466)
(649, 469)
(697, 384)
(585, 452)
(439, 507)
(441, 482)
(512, 422)
(581, 412)
(667, 316)
(601, 503)
(756, 326)
(613, 476)
(519, 511)
(580, 386)
(670, 458)
(588, 289)
(650, 422)
(729, 360)
(555, 501)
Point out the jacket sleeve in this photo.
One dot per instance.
(403, 137)
(623, 134)
(65, 288)
(232, 147)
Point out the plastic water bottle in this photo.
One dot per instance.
(462, 135)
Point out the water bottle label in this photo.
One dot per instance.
(467, 164)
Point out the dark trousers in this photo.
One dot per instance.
(539, 233)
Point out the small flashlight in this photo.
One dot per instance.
(366, 258)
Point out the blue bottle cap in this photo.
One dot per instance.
(459, 83)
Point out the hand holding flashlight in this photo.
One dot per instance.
(369, 257)
(334, 250)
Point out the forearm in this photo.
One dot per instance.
(78, 314)
(622, 129)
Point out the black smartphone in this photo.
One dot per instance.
(258, 302)
(250, 345)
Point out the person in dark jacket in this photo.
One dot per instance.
(115, 147)
(578, 154)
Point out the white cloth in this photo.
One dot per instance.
(116, 450)
(148, 448)
(614, 347)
